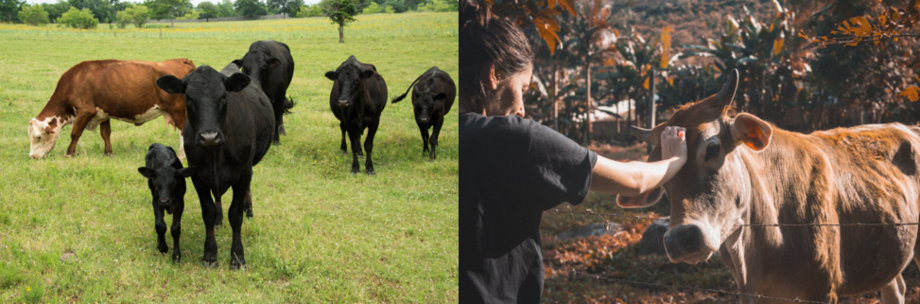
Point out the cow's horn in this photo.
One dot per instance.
(727, 93)
(640, 133)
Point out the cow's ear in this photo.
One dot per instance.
(238, 63)
(236, 82)
(188, 171)
(273, 62)
(49, 130)
(440, 96)
(368, 73)
(171, 84)
(147, 172)
(332, 76)
(641, 201)
(752, 131)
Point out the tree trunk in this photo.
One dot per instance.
(172, 24)
(651, 104)
(341, 34)
(588, 106)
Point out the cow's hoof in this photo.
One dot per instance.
(177, 258)
(355, 171)
(163, 248)
(249, 213)
(276, 143)
(68, 155)
(210, 265)
(107, 154)
(218, 225)
(371, 172)
(235, 266)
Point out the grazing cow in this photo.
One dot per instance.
(229, 130)
(432, 98)
(270, 63)
(166, 180)
(358, 96)
(744, 175)
(92, 92)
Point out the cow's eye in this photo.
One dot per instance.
(712, 150)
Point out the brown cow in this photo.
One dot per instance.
(743, 174)
(91, 92)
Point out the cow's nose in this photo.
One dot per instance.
(423, 119)
(34, 156)
(683, 240)
(209, 139)
(164, 201)
(343, 103)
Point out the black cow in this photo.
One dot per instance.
(228, 131)
(166, 180)
(432, 98)
(270, 63)
(358, 96)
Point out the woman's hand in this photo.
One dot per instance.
(673, 144)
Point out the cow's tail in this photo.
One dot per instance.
(288, 105)
(401, 97)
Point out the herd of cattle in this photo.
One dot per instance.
(228, 120)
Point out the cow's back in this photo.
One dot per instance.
(119, 88)
(875, 168)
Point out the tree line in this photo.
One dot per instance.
(88, 13)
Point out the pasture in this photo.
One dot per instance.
(81, 229)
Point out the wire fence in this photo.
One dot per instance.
(721, 293)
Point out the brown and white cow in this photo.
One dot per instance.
(743, 174)
(92, 92)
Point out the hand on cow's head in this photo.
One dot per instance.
(642, 200)
(171, 84)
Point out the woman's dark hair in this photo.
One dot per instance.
(488, 41)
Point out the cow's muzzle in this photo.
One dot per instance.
(164, 202)
(686, 243)
(423, 119)
(343, 103)
(209, 139)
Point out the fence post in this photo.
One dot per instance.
(651, 103)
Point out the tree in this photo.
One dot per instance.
(193, 14)
(310, 11)
(10, 9)
(101, 9)
(168, 9)
(82, 19)
(341, 12)
(225, 9)
(250, 8)
(285, 6)
(55, 10)
(372, 8)
(208, 10)
(136, 14)
(33, 14)
(435, 6)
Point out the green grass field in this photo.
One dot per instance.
(320, 234)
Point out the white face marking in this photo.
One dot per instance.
(40, 141)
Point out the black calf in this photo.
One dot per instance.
(432, 98)
(166, 180)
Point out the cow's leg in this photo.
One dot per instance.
(235, 217)
(345, 147)
(893, 293)
(433, 141)
(83, 118)
(355, 137)
(176, 230)
(160, 226)
(369, 146)
(207, 215)
(423, 128)
(106, 131)
(219, 216)
(278, 106)
(249, 204)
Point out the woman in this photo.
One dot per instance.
(512, 168)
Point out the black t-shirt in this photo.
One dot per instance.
(511, 170)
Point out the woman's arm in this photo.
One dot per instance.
(634, 178)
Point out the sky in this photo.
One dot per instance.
(194, 2)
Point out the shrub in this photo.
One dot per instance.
(310, 11)
(191, 15)
(82, 19)
(136, 14)
(389, 9)
(435, 6)
(33, 14)
(372, 8)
